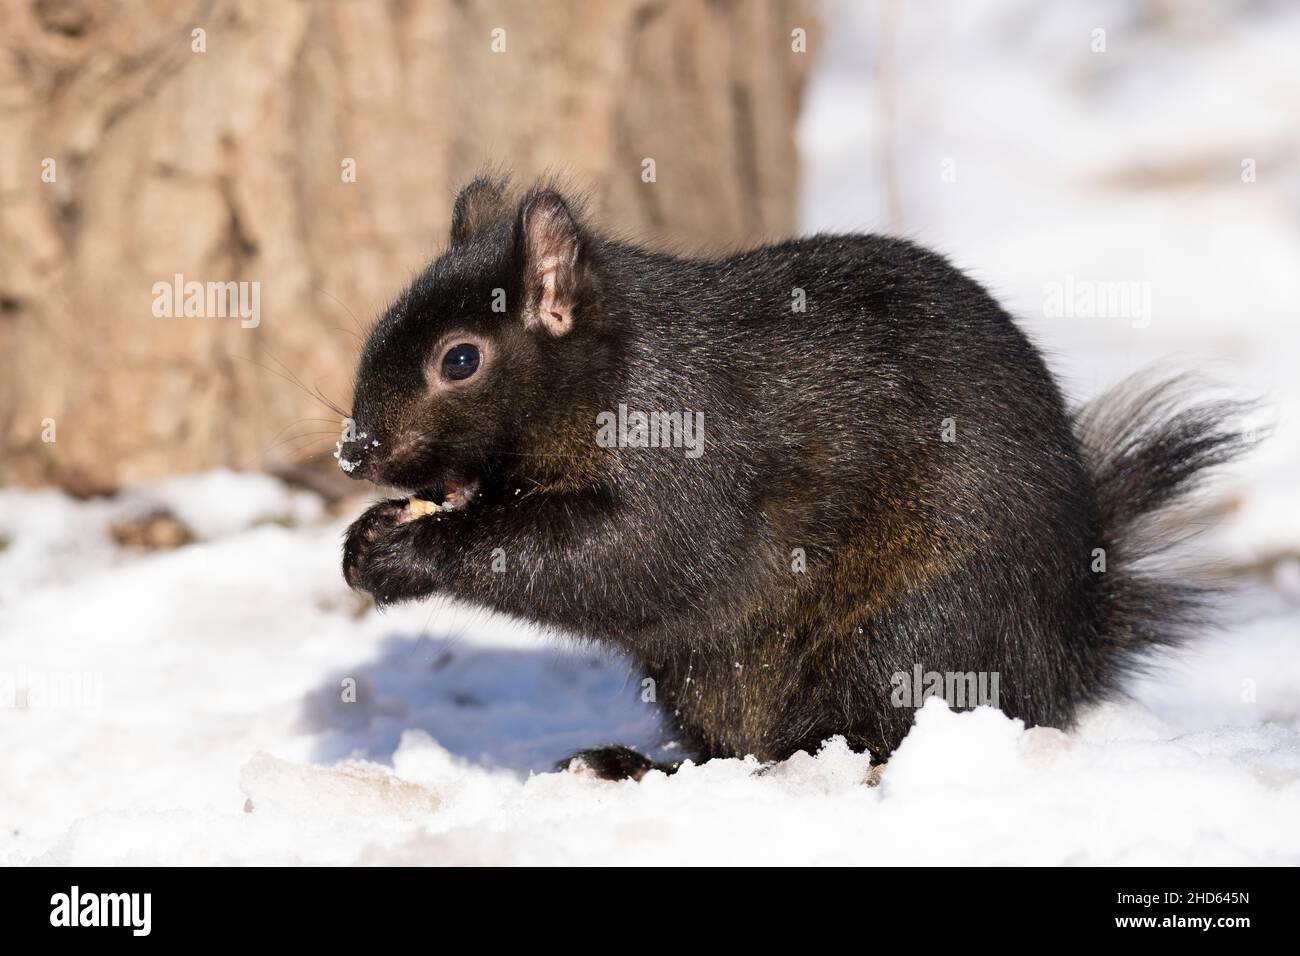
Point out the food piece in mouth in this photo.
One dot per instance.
(455, 495)
(419, 507)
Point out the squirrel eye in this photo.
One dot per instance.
(461, 361)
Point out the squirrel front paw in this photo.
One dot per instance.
(364, 544)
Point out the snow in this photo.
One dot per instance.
(217, 731)
(196, 705)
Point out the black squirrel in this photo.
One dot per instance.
(886, 477)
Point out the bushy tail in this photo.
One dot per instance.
(1149, 446)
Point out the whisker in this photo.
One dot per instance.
(321, 395)
(302, 421)
(314, 391)
(312, 436)
(294, 380)
(355, 335)
(344, 305)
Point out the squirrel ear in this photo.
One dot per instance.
(550, 249)
(477, 205)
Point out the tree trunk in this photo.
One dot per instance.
(215, 140)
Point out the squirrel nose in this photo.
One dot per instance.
(356, 455)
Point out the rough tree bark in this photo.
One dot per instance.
(227, 164)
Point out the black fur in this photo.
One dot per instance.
(613, 763)
(824, 432)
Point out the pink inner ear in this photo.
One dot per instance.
(551, 256)
(549, 269)
(550, 310)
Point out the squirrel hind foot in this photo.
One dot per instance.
(612, 763)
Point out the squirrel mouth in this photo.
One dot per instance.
(451, 495)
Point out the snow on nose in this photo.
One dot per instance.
(353, 453)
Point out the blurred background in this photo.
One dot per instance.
(1123, 175)
(315, 147)
(1057, 151)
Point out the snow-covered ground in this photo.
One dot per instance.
(189, 706)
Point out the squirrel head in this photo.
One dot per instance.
(487, 366)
